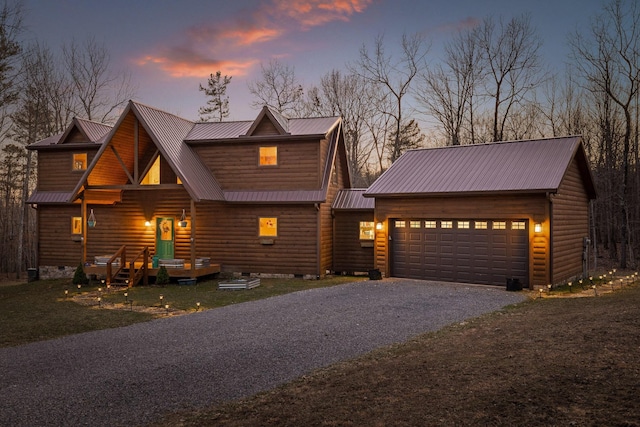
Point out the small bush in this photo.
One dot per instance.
(163, 276)
(79, 277)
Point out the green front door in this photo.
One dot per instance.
(164, 238)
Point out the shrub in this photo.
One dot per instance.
(79, 277)
(163, 276)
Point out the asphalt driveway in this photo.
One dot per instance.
(134, 375)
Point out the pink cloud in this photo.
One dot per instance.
(198, 55)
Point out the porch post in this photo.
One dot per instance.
(83, 243)
(192, 213)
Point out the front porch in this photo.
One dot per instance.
(174, 272)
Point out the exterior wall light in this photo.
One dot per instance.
(537, 227)
(91, 221)
(183, 220)
(147, 223)
(379, 226)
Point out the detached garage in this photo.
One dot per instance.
(485, 213)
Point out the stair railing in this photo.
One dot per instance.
(143, 272)
(122, 253)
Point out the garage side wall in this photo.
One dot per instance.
(350, 253)
(570, 213)
(531, 207)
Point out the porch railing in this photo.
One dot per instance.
(143, 271)
(122, 254)
(134, 275)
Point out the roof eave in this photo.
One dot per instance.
(463, 193)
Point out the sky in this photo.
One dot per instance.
(170, 47)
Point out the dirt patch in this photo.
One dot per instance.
(564, 360)
(90, 299)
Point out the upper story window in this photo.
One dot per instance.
(79, 161)
(153, 176)
(268, 226)
(268, 156)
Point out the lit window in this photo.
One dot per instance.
(430, 224)
(79, 161)
(414, 224)
(446, 224)
(366, 230)
(499, 225)
(153, 176)
(268, 227)
(268, 156)
(481, 225)
(76, 225)
(463, 224)
(400, 224)
(517, 225)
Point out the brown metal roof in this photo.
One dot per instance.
(352, 199)
(168, 132)
(94, 131)
(277, 196)
(518, 166)
(50, 197)
(232, 130)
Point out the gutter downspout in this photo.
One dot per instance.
(318, 238)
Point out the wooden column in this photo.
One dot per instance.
(83, 244)
(192, 213)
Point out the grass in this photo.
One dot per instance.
(40, 310)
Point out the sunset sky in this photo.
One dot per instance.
(169, 47)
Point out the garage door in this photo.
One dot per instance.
(468, 251)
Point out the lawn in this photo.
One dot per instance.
(53, 308)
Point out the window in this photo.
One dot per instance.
(153, 176)
(430, 224)
(446, 224)
(366, 230)
(268, 227)
(400, 224)
(76, 225)
(268, 156)
(480, 225)
(517, 225)
(499, 225)
(414, 224)
(79, 161)
(463, 224)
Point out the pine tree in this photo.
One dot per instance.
(218, 103)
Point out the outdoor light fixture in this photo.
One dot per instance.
(147, 223)
(91, 221)
(549, 287)
(126, 297)
(537, 227)
(569, 286)
(198, 306)
(183, 221)
(379, 226)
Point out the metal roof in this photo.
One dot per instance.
(50, 197)
(231, 130)
(353, 199)
(277, 196)
(93, 130)
(517, 166)
(168, 132)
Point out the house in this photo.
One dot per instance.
(242, 197)
(485, 213)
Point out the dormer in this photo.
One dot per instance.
(269, 123)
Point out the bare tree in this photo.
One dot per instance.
(99, 91)
(447, 90)
(610, 62)
(393, 75)
(11, 25)
(218, 103)
(278, 88)
(510, 53)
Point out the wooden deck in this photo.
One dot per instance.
(101, 270)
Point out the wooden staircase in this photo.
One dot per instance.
(127, 274)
